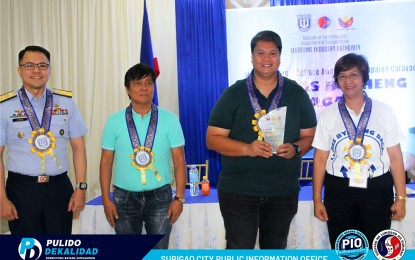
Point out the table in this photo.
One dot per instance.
(200, 225)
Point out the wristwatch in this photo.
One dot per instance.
(82, 185)
(297, 149)
(181, 199)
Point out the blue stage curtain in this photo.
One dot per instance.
(311, 2)
(202, 73)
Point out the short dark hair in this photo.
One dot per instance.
(34, 48)
(268, 36)
(350, 61)
(138, 71)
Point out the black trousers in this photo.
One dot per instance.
(42, 207)
(245, 215)
(366, 210)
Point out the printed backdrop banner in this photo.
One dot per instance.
(314, 37)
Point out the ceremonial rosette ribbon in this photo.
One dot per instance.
(258, 111)
(357, 153)
(43, 141)
(143, 156)
(43, 144)
(255, 123)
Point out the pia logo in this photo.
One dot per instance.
(30, 248)
(389, 244)
(352, 245)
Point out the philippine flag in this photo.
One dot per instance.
(146, 53)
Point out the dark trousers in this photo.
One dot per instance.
(243, 215)
(42, 207)
(366, 210)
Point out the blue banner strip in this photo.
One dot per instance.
(255, 255)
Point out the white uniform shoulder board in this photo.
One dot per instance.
(7, 96)
(65, 93)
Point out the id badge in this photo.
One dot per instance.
(358, 177)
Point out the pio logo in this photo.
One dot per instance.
(30, 248)
(352, 244)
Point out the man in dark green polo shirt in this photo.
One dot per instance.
(258, 186)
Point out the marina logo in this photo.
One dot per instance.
(389, 244)
(30, 248)
(324, 22)
(345, 22)
(304, 22)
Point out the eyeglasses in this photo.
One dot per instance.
(31, 66)
(353, 76)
